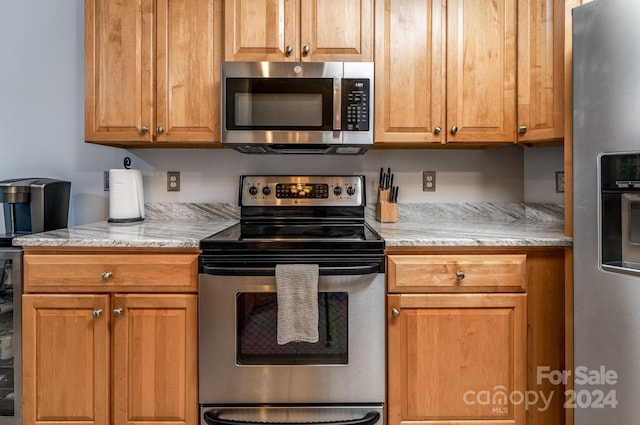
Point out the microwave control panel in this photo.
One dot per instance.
(355, 104)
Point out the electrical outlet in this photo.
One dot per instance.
(428, 181)
(105, 181)
(173, 181)
(559, 181)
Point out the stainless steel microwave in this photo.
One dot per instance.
(297, 107)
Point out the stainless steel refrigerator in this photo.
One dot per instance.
(606, 137)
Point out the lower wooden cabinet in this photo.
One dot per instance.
(109, 357)
(467, 344)
(456, 357)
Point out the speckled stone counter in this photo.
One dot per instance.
(182, 225)
(474, 224)
(166, 225)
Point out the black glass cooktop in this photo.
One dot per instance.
(295, 236)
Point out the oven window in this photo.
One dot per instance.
(257, 331)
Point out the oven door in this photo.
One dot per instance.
(241, 363)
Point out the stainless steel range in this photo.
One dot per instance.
(245, 375)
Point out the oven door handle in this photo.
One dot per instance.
(271, 271)
(212, 417)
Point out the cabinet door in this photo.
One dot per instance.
(260, 30)
(119, 70)
(155, 359)
(66, 359)
(481, 70)
(336, 30)
(448, 353)
(188, 70)
(540, 70)
(410, 71)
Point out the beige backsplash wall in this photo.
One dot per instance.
(461, 175)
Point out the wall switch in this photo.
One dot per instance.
(105, 181)
(428, 181)
(173, 181)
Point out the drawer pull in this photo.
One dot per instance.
(117, 312)
(106, 276)
(395, 313)
(459, 275)
(96, 313)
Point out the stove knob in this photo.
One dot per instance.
(253, 191)
(337, 191)
(266, 191)
(351, 191)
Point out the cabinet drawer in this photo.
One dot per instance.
(456, 273)
(106, 272)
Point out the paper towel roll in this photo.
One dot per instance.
(126, 197)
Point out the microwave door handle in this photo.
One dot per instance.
(212, 417)
(337, 104)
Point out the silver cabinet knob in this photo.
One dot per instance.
(395, 313)
(305, 50)
(106, 276)
(96, 313)
(454, 129)
(144, 129)
(459, 275)
(522, 129)
(117, 312)
(288, 50)
(160, 130)
(437, 130)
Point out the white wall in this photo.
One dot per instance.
(540, 166)
(41, 134)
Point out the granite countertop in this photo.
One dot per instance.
(166, 225)
(474, 224)
(182, 225)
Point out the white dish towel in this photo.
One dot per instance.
(297, 294)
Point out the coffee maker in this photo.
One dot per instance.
(33, 205)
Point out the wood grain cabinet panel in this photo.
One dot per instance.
(109, 272)
(113, 358)
(66, 359)
(456, 273)
(540, 70)
(446, 352)
(445, 71)
(152, 71)
(299, 30)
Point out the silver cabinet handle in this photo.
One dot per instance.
(160, 130)
(437, 130)
(106, 276)
(96, 313)
(522, 129)
(288, 50)
(395, 313)
(305, 50)
(454, 129)
(117, 312)
(144, 129)
(459, 275)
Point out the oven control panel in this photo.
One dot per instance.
(302, 190)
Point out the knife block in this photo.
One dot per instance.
(386, 212)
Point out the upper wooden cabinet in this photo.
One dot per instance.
(464, 48)
(298, 30)
(540, 70)
(152, 71)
